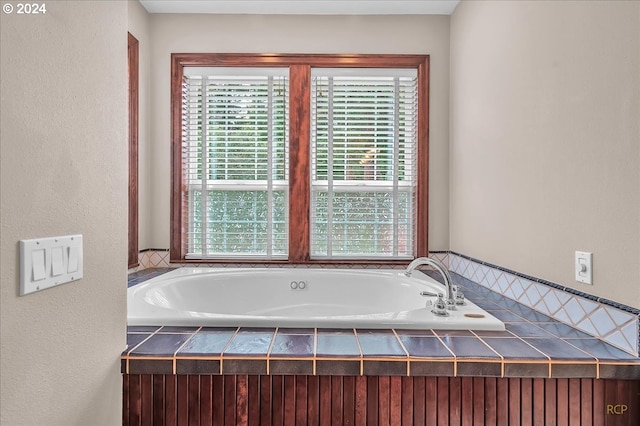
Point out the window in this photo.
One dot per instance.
(235, 139)
(363, 137)
(299, 158)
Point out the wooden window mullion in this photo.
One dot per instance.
(299, 143)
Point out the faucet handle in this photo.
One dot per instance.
(440, 307)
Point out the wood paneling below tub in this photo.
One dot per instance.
(210, 400)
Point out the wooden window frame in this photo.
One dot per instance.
(299, 142)
(133, 61)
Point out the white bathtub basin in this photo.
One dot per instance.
(264, 297)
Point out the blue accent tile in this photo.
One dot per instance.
(602, 321)
(425, 347)
(587, 326)
(506, 316)
(380, 344)
(337, 345)
(469, 347)
(527, 313)
(496, 297)
(132, 282)
(493, 333)
(537, 317)
(249, 343)
(618, 340)
(486, 304)
(135, 339)
(161, 345)
(513, 348)
(209, 343)
(563, 330)
(558, 349)
(523, 329)
(619, 316)
(602, 351)
(630, 333)
(293, 345)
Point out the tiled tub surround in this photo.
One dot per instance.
(534, 345)
(538, 371)
(612, 322)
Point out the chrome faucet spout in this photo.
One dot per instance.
(448, 282)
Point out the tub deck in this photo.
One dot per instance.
(533, 346)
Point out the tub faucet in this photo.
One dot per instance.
(448, 283)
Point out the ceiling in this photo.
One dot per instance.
(303, 7)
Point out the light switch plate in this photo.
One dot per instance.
(584, 267)
(48, 262)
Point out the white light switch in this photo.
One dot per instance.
(584, 267)
(47, 262)
(73, 259)
(57, 260)
(38, 265)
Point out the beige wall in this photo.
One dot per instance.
(63, 142)
(139, 27)
(300, 34)
(545, 139)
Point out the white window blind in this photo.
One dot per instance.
(363, 162)
(235, 157)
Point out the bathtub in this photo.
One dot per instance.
(296, 297)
